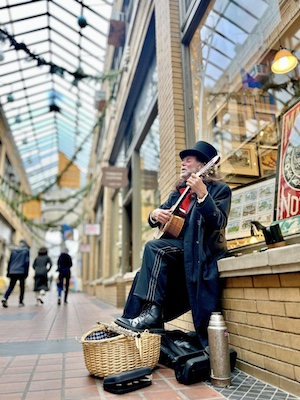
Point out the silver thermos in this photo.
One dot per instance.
(220, 371)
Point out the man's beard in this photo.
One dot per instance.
(186, 174)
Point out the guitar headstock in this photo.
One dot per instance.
(209, 171)
(209, 167)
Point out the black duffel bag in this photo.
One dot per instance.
(183, 353)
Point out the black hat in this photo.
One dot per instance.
(202, 150)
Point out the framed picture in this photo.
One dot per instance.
(268, 158)
(241, 161)
(265, 118)
(253, 202)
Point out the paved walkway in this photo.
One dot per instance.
(41, 357)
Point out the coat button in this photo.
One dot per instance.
(197, 241)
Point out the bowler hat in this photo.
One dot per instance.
(202, 150)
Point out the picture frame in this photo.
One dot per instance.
(242, 160)
(268, 160)
(252, 202)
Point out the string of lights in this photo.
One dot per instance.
(78, 74)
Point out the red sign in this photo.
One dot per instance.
(92, 229)
(85, 248)
(288, 204)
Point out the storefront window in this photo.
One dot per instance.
(147, 95)
(239, 103)
(149, 164)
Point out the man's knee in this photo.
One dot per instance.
(151, 245)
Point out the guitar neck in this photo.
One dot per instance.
(202, 171)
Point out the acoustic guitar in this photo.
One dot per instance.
(175, 224)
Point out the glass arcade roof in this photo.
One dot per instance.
(48, 107)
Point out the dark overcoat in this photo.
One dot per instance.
(18, 263)
(204, 244)
(42, 265)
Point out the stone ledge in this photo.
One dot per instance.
(129, 276)
(113, 280)
(272, 261)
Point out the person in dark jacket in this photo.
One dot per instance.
(17, 270)
(41, 265)
(179, 269)
(64, 264)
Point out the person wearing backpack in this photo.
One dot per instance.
(17, 270)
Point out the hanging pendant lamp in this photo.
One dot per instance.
(284, 62)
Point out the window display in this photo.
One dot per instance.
(240, 103)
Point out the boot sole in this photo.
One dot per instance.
(152, 330)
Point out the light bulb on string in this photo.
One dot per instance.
(2, 41)
(10, 98)
(18, 117)
(82, 22)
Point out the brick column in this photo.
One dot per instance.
(170, 92)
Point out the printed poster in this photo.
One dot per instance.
(288, 204)
(254, 202)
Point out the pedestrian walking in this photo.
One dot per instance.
(64, 263)
(42, 265)
(17, 270)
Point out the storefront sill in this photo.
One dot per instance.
(129, 276)
(112, 280)
(272, 261)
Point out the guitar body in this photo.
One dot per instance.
(171, 229)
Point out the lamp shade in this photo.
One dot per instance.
(284, 61)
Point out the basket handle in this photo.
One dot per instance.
(126, 332)
(119, 329)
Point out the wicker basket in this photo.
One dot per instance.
(125, 351)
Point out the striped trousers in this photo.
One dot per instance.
(161, 265)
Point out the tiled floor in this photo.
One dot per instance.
(41, 358)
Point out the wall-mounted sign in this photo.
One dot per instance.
(289, 173)
(85, 248)
(115, 177)
(92, 229)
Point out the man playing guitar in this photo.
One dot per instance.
(179, 268)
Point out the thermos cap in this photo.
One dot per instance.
(216, 319)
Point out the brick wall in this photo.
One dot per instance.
(170, 92)
(112, 291)
(262, 314)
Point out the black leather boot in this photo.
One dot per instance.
(150, 318)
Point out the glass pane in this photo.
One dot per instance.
(149, 164)
(239, 102)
